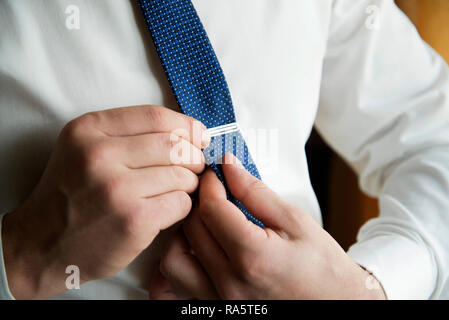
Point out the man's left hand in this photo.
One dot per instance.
(223, 255)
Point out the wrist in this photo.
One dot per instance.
(26, 266)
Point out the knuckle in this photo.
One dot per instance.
(184, 202)
(96, 155)
(168, 264)
(166, 141)
(250, 268)
(78, 127)
(184, 176)
(130, 222)
(160, 206)
(166, 144)
(256, 185)
(180, 173)
(253, 186)
(110, 190)
(156, 115)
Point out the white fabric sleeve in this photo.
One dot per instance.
(5, 294)
(384, 107)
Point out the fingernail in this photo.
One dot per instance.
(231, 159)
(205, 138)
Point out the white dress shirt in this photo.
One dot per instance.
(357, 70)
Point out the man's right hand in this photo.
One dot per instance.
(110, 187)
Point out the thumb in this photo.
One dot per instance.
(260, 200)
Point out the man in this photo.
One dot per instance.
(356, 69)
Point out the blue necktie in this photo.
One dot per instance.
(197, 81)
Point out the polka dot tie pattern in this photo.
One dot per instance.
(197, 80)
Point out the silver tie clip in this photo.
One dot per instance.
(224, 129)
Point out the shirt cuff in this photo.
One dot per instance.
(405, 269)
(5, 294)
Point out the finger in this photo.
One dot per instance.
(167, 209)
(137, 120)
(183, 271)
(151, 181)
(228, 225)
(206, 249)
(260, 200)
(160, 288)
(160, 149)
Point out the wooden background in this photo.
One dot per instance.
(344, 207)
